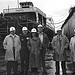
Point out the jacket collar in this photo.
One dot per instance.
(59, 35)
(40, 33)
(12, 35)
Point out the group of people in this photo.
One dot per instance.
(29, 48)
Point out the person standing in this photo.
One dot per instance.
(34, 45)
(24, 53)
(44, 44)
(12, 45)
(60, 44)
(72, 48)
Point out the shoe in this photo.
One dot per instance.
(30, 73)
(22, 72)
(44, 72)
(35, 73)
(26, 73)
(57, 73)
(15, 74)
(73, 73)
(64, 74)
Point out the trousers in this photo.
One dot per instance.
(63, 65)
(24, 61)
(11, 65)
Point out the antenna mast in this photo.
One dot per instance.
(18, 3)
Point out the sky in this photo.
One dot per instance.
(57, 9)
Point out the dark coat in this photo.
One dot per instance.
(24, 49)
(34, 47)
(44, 45)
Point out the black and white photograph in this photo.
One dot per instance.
(37, 37)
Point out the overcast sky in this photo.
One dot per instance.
(57, 9)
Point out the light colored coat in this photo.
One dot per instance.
(72, 47)
(60, 47)
(8, 45)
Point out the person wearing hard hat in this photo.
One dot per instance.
(12, 45)
(24, 53)
(44, 42)
(34, 45)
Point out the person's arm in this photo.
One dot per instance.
(5, 43)
(53, 43)
(71, 48)
(28, 44)
(40, 45)
(70, 45)
(47, 41)
(67, 43)
(19, 44)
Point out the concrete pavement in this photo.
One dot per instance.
(50, 66)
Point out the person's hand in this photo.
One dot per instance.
(19, 61)
(72, 56)
(5, 47)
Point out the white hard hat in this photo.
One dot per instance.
(33, 30)
(40, 25)
(24, 28)
(12, 29)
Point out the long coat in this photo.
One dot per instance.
(60, 47)
(34, 59)
(8, 45)
(72, 47)
(44, 44)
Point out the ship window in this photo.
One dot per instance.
(22, 4)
